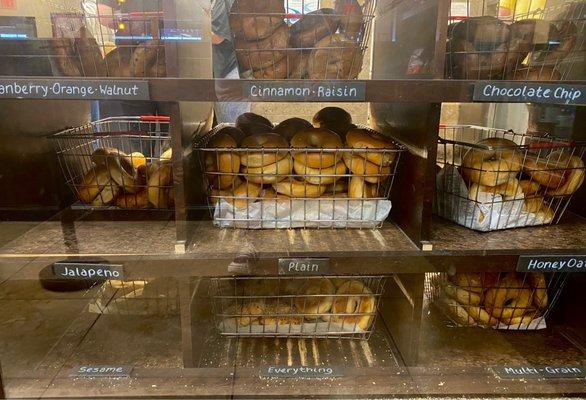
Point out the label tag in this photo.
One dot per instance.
(304, 91)
(72, 89)
(529, 92)
(303, 266)
(542, 372)
(65, 270)
(273, 371)
(101, 371)
(561, 263)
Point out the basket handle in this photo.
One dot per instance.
(155, 118)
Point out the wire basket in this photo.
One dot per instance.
(494, 179)
(121, 162)
(499, 300)
(518, 40)
(311, 307)
(277, 40)
(353, 193)
(138, 297)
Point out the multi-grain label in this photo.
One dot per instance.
(541, 372)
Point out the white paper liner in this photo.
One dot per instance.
(229, 325)
(303, 213)
(452, 202)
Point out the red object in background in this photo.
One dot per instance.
(8, 4)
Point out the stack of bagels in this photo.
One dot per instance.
(323, 44)
(347, 302)
(498, 167)
(489, 299)
(127, 180)
(488, 48)
(331, 158)
(81, 56)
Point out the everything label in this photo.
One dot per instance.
(299, 372)
(304, 91)
(73, 89)
(541, 372)
(88, 271)
(530, 92)
(561, 263)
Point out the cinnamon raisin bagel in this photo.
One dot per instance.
(315, 140)
(266, 155)
(312, 27)
(262, 53)
(335, 119)
(335, 57)
(289, 127)
(251, 124)
(256, 19)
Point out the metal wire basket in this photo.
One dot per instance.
(494, 179)
(277, 40)
(292, 195)
(311, 307)
(121, 162)
(518, 40)
(509, 301)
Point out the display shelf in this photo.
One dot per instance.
(376, 90)
(569, 236)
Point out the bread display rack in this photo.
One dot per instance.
(413, 304)
(497, 179)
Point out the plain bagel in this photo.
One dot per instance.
(354, 305)
(320, 176)
(297, 188)
(308, 303)
(315, 140)
(268, 142)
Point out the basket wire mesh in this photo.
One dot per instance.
(308, 307)
(517, 40)
(118, 162)
(326, 43)
(508, 301)
(319, 198)
(529, 181)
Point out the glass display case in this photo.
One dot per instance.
(292, 198)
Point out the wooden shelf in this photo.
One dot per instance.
(392, 90)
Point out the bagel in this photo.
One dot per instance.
(120, 167)
(251, 124)
(312, 27)
(256, 19)
(567, 37)
(463, 296)
(157, 183)
(280, 314)
(87, 51)
(335, 57)
(340, 187)
(539, 207)
(107, 195)
(92, 183)
(222, 166)
(372, 173)
(539, 285)
(480, 315)
(529, 187)
(354, 298)
(137, 159)
(167, 155)
(277, 70)
(136, 200)
(478, 48)
(365, 139)
(249, 313)
(320, 176)
(262, 53)
(297, 188)
(524, 319)
(250, 158)
(510, 190)
(457, 312)
(469, 281)
(316, 140)
(315, 297)
(574, 174)
(237, 134)
(534, 74)
(333, 118)
(271, 194)
(493, 166)
(510, 298)
(243, 194)
(359, 189)
(271, 173)
(289, 127)
(351, 21)
(546, 173)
